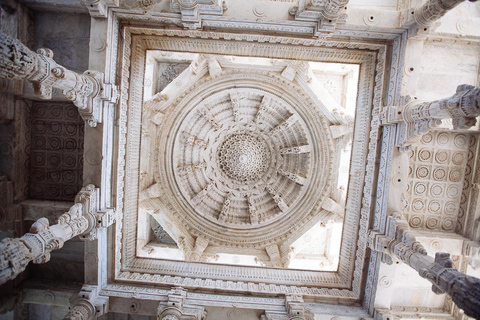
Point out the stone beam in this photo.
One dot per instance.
(82, 219)
(87, 91)
(399, 244)
(417, 117)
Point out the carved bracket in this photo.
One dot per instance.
(177, 307)
(326, 13)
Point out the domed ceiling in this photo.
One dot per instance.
(241, 160)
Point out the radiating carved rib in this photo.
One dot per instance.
(192, 167)
(253, 211)
(296, 150)
(198, 197)
(235, 99)
(209, 117)
(226, 208)
(278, 199)
(292, 176)
(262, 109)
(193, 140)
(87, 91)
(286, 124)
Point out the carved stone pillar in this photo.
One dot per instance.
(82, 219)
(417, 117)
(88, 305)
(399, 243)
(87, 91)
(432, 10)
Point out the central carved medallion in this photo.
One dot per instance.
(244, 157)
(239, 160)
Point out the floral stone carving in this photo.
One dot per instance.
(242, 159)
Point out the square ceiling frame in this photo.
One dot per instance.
(378, 83)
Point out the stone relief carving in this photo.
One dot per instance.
(369, 63)
(56, 164)
(87, 91)
(436, 176)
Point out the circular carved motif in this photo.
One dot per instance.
(443, 138)
(40, 110)
(56, 111)
(427, 138)
(450, 207)
(54, 159)
(39, 126)
(71, 112)
(453, 192)
(54, 143)
(435, 245)
(460, 141)
(455, 175)
(424, 155)
(434, 206)
(385, 282)
(70, 160)
(431, 223)
(93, 156)
(244, 157)
(458, 158)
(410, 171)
(418, 205)
(441, 156)
(448, 224)
(39, 143)
(436, 190)
(55, 127)
(439, 174)
(71, 128)
(423, 172)
(416, 222)
(54, 175)
(38, 159)
(420, 188)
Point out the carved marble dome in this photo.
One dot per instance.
(239, 153)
